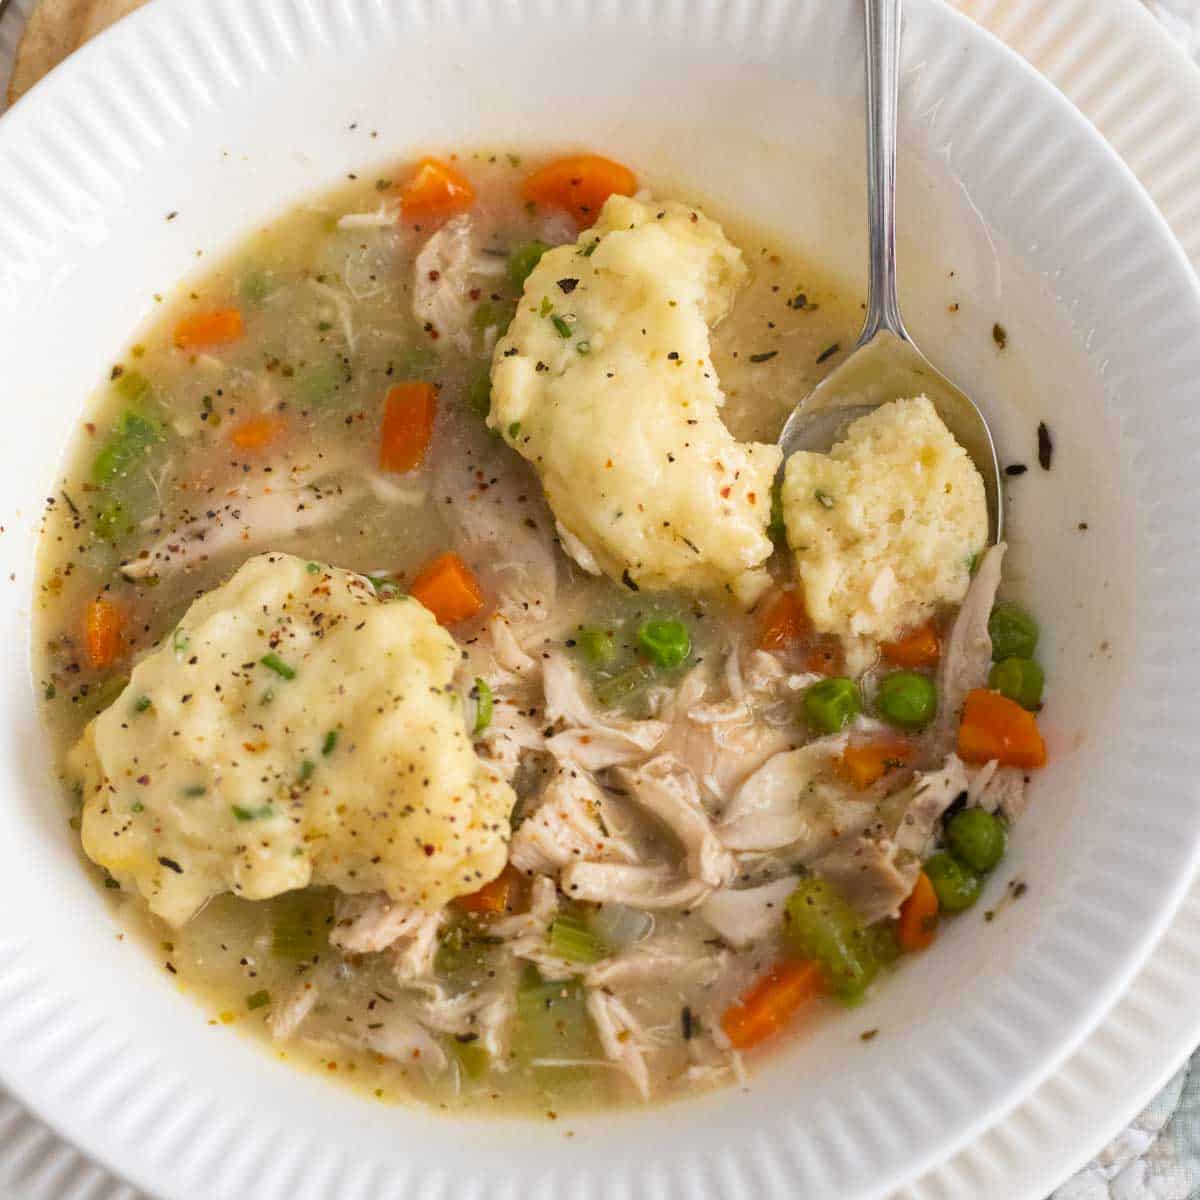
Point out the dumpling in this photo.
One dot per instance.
(292, 730)
(886, 526)
(604, 382)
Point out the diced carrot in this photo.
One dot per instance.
(408, 414)
(102, 633)
(502, 895)
(448, 589)
(768, 1006)
(784, 621)
(202, 330)
(993, 726)
(919, 916)
(579, 184)
(917, 648)
(868, 762)
(436, 191)
(257, 433)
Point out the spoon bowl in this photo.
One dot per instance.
(886, 364)
(887, 367)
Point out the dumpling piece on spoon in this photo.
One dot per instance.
(885, 528)
(293, 730)
(605, 383)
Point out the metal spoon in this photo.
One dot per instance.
(885, 365)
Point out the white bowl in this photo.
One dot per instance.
(1011, 207)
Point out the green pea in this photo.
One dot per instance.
(1020, 679)
(479, 394)
(666, 642)
(597, 646)
(956, 885)
(832, 704)
(1013, 631)
(522, 259)
(976, 838)
(907, 699)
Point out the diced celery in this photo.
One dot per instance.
(572, 939)
(300, 923)
(473, 1059)
(552, 1019)
(820, 925)
(125, 447)
(621, 688)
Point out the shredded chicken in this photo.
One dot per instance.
(998, 789)
(381, 218)
(723, 742)
(922, 804)
(666, 790)
(592, 741)
(370, 924)
(748, 915)
(656, 960)
(572, 823)
(795, 800)
(446, 269)
(484, 1015)
(402, 1039)
(872, 874)
(967, 655)
(342, 309)
(624, 1041)
(640, 887)
(287, 1018)
(240, 524)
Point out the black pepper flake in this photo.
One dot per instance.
(567, 286)
(674, 355)
(766, 356)
(828, 352)
(1016, 469)
(1000, 335)
(1045, 446)
(687, 1023)
(799, 301)
(868, 1034)
(627, 580)
(170, 864)
(1019, 889)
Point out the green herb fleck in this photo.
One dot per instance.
(195, 789)
(561, 325)
(313, 568)
(258, 1000)
(252, 814)
(307, 767)
(482, 695)
(545, 308)
(514, 430)
(330, 743)
(584, 347)
(273, 662)
(142, 703)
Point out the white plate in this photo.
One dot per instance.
(207, 111)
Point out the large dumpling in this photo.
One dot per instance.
(886, 526)
(604, 382)
(293, 730)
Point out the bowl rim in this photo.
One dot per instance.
(37, 106)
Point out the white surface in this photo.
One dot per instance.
(977, 150)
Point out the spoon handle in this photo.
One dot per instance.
(883, 87)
